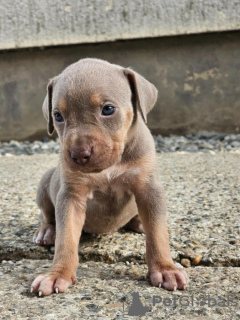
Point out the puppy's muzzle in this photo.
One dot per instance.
(81, 156)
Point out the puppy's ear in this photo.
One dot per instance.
(143, 91)
(47, 107)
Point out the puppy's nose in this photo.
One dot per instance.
(81, 156)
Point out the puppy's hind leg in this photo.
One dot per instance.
(135, 225)
(45, 235)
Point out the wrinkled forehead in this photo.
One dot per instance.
(94, 84)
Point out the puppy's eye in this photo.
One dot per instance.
(107, 110)
(58, 117)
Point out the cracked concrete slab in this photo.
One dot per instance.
(101, 290)
(203, 209)
(203, 218)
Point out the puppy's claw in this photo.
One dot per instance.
(171, 280)
(31, 290)
(51, 282)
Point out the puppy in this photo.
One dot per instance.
(107, 174)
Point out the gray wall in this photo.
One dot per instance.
(36, 23)
(197, 77)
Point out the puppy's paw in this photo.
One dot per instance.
(170, 279)
(135, 225)
(45, 235)
(46, 284)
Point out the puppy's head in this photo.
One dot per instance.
(93, 105)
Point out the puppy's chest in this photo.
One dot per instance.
(115, 182)
(109, 196)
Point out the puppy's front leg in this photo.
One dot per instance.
(70, 217)
(151, 204)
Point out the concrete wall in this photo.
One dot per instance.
(36, 23)
(197, 77)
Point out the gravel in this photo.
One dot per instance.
(207, 142)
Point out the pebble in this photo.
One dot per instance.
(197, 260)
(186, 263)
(118, 269)
(206, 142)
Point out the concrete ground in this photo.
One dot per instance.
(204, 225)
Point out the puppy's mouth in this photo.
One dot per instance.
(91, 160)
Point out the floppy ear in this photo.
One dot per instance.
(144, 92)
(47, 107)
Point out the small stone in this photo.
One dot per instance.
(50, 316)
(186, 263)
(14, 143)
(45, 147)
(135, 271)
(186, 253)
(178, 265)
(197, 260)
(57, 148)
(118, 269)
(238, 314)
(206, 145)
(35, 147)
(111, 259)
(176, 293)
(20, 232)
(207, 262)
(228, 147)
(235, 144)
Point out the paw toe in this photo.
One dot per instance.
(170, 279)
(47, 284)
(182, 279)
(61, 285)
(49, 237)
(45, 235)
